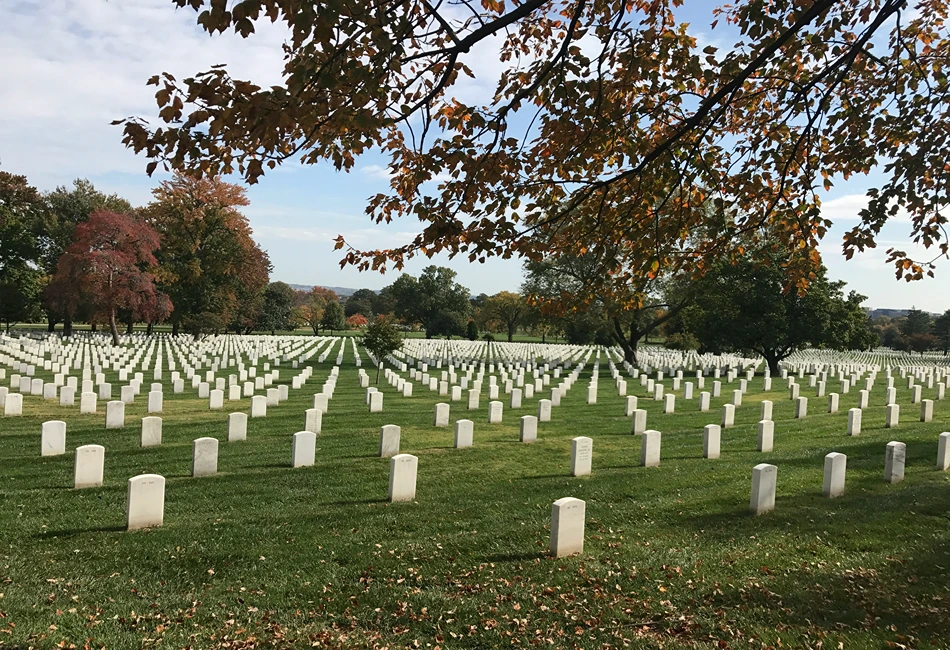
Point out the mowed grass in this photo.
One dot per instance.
(262, 555)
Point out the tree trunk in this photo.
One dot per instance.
(113, 328)
(627, 343)
(67, 326)
(50, 324)
(129, 327)
(511, 333)
(771, 358)
(149, 328)
(94, 326)
(175, 327)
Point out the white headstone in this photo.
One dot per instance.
(650, 449)
(145, 504)
(376, 402)
(766, 435)
(441, 418)
(582, 451)
(389, 440)
(832, 402)
(712, 434)
(90, 463)
(801, 407)
(53, 438)
(151, 431)
(204, 457)
(495, 412)
(529, 428)
(463, 433)
(763, 488)
(304, 449)
(704, 401)
(894, 457)
(258, 406)
(835, 468)
(639, 420)
(943, 451)
(544, 410)
(87, 402)
(13, 405)
(567, 526)
(728, 415)
(313, 421)
(403, 469)
(115, 414)
(892, 415)
(237, 427)
(854, 422)
(67, 396)
(926, 410)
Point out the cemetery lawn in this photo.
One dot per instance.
(264, 556)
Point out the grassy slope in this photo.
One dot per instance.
(265, 556)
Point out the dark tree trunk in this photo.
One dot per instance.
(176, 326)
(93, 327)
(113, 328)
(129, 326)
(50, 324)
(772, 358)
(67, 326)
(511, 334)
(150, 328)
(627, 343)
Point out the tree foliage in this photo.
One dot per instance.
(744, 307)
(941, 331)
(278, 307)
(109, 263)
(566, 286)
(382, 338)
(20, 221)
(313, 305)
(64, 208)
(361, 302)
(333, 317)
(914, 322)
(210, 266)
(434, 300)
(508, 309)
(610, 121)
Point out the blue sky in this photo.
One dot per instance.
(73, 66)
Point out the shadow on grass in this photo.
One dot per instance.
(514, 557)
(357, 502)
(72, 532)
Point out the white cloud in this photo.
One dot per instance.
(376, 171)
(847, 207)
(70, 67)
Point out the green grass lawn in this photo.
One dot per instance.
(262, 555)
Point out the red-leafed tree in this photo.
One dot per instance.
(356, 321)
(108, 267)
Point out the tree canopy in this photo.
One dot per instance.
(109, 264)
(744, 307)
(434, 300)
(213, 270)
(382, 338)
(609, 122)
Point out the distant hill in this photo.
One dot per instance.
(340, 291)
(892, 313)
